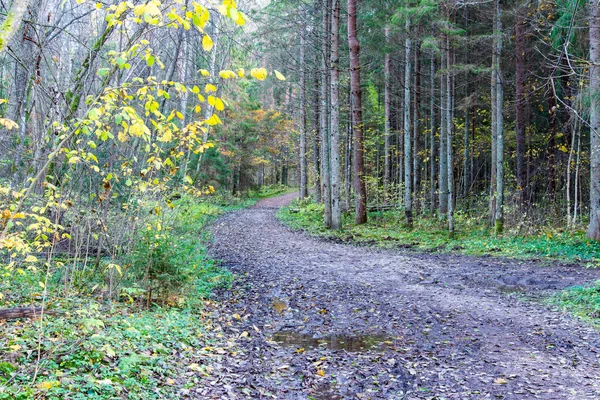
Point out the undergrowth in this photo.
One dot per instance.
(472, 236)
(139, 342)
(582, 301)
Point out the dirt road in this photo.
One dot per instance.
(331, 321)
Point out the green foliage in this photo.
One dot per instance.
(582, 301)
(386, 229)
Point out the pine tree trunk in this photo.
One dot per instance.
(303, 160)
(593, 231)
(449, 138)
(336, 212)
(467, 153)
(408, 162)
(443, 175)
(317, 139)
(494, 130)
(499, 216)
(386, 105)
(416, 126)
(433, 128)
(325, 149)
(520, 100)
(360, 190)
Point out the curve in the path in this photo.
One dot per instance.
(457, 329)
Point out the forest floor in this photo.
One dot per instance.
(316, 319)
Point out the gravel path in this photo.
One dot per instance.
(323, 320)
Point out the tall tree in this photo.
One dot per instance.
(336, 212)
(360, 189)
(325, 113)
(499, 213)
(387, 111)
(520, 101)
(303, 125)
(593, 231)
(408, 162)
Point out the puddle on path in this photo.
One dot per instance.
(511, 289)
(351, 343)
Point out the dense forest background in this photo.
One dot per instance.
(486, 108)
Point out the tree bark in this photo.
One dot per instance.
(593, 230)
(336, 213)
(360, 190)
(449, 136)
(499, 216)
(325, 159)
(303, 160)
(386, 105)
(520, 100)
(433, 128)
(443, 174)
(408, 162)
(317, 139)
(416, 126)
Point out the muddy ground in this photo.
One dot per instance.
(313, 319)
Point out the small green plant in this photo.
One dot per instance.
(582, 301)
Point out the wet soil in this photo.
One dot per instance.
(322, 320)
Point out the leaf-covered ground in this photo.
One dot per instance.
(447, 326)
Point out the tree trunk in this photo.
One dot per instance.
(499, 216)
(360, 190)
(494, 129)
(386, 105)
(432, 182)
(336, 212)
(416, 126)
(467, 153)
(303, 160)
(443, 175)
(325, 160)
(520, 100)
(449, 136)
(552, 119)
(408, 162)
(317, 139)
(593, 231)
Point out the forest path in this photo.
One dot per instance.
(441, 326)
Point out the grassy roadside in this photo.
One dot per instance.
(115, 347)
(386, 229)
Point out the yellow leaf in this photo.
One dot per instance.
(320, 372)
(240, 19)
(179, 115)
(210, 88)
(229, 3)
(500, 381)
(214, 120)
(259, 73)
(241, 72)
(279, 75)
(207, 43)
(204, 72)
(195, 367)
(139, 10)
(227, 74)
(8, 124)
(47, 385)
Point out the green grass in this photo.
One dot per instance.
(583, 302)
(103, 349)
(387, 229)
